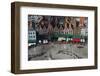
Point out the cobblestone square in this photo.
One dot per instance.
(58, 51)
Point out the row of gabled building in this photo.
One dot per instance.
(70, 25)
